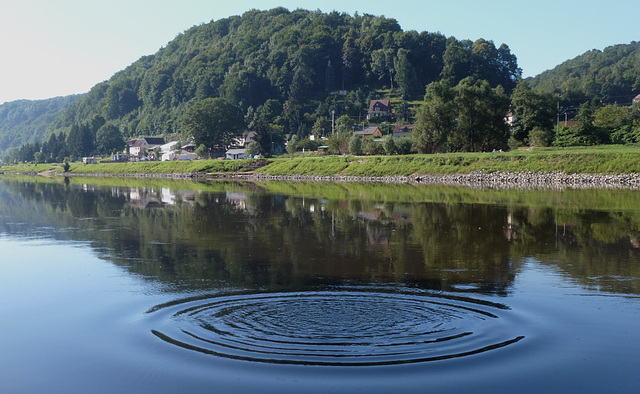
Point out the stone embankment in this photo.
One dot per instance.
(479, 179)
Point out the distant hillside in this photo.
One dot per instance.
(25, 121)
(611, 75)
(308, 62)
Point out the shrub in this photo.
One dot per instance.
(539, 138)
(372, 147)
(355, 144)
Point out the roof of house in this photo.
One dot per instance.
(636, 99)
(371, 130)
(251, 136)
(403, 128)
(168, 146)
(154, 140)
(236, 151)
(148, 140)
(386, 103)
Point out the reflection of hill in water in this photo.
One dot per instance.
(209, 235)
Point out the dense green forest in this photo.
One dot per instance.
(297, 58)
(26, 121)
(611, 75)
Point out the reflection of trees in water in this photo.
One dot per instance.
(250, 238)
(596, 247)
(464, 243)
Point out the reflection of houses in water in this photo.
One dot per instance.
(379, 235)
(509, 232)
(151, 198)
(88, 188)
(402, 216)
(238, 200)
(379, 227)
(370, 215)
(142, 198)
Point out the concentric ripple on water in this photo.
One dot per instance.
(334, 327)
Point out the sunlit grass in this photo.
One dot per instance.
(589, 160)
(594, 160)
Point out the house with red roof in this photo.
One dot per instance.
(402, 130)
(379, 108)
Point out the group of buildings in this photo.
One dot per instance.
(155, 148)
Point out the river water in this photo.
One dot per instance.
(159, 286)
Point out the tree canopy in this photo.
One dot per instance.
(298, 58)
(213, 122)
(611, 76)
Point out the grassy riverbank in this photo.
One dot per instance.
(600, 160)
(591, 160)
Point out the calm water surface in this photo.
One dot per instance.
(161, 286)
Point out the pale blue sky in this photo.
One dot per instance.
(58, 47)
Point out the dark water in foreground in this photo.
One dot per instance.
(280, 287)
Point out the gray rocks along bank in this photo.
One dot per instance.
(481, 179)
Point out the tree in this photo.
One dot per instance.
(480, 115)
(611, 117)
(292, 146)
(321, 127)
(372, 147)
(406, 77)
(344, 124)
(38, 157)
(355, 144)
(435, 119)
(253, 149)
(202, 151)
(389, 145)
(74, 140)
(588, 132)
(457, 62)
(531, 110)
(382, 64)
(109, 138)
(338, 143)
(508, 71)
(213, 122)
(403, 145)
(267, 135)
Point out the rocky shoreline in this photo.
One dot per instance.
(478, 179)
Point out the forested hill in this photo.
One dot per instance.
(25, 121)
(611, 75)
(297, 58)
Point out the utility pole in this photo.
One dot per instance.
(333, 114)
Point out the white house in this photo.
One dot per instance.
(236, 153)
(170, 153)
(139, 146)
(178, 155)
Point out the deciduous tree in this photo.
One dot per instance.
(435, 119)
(213, 122)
